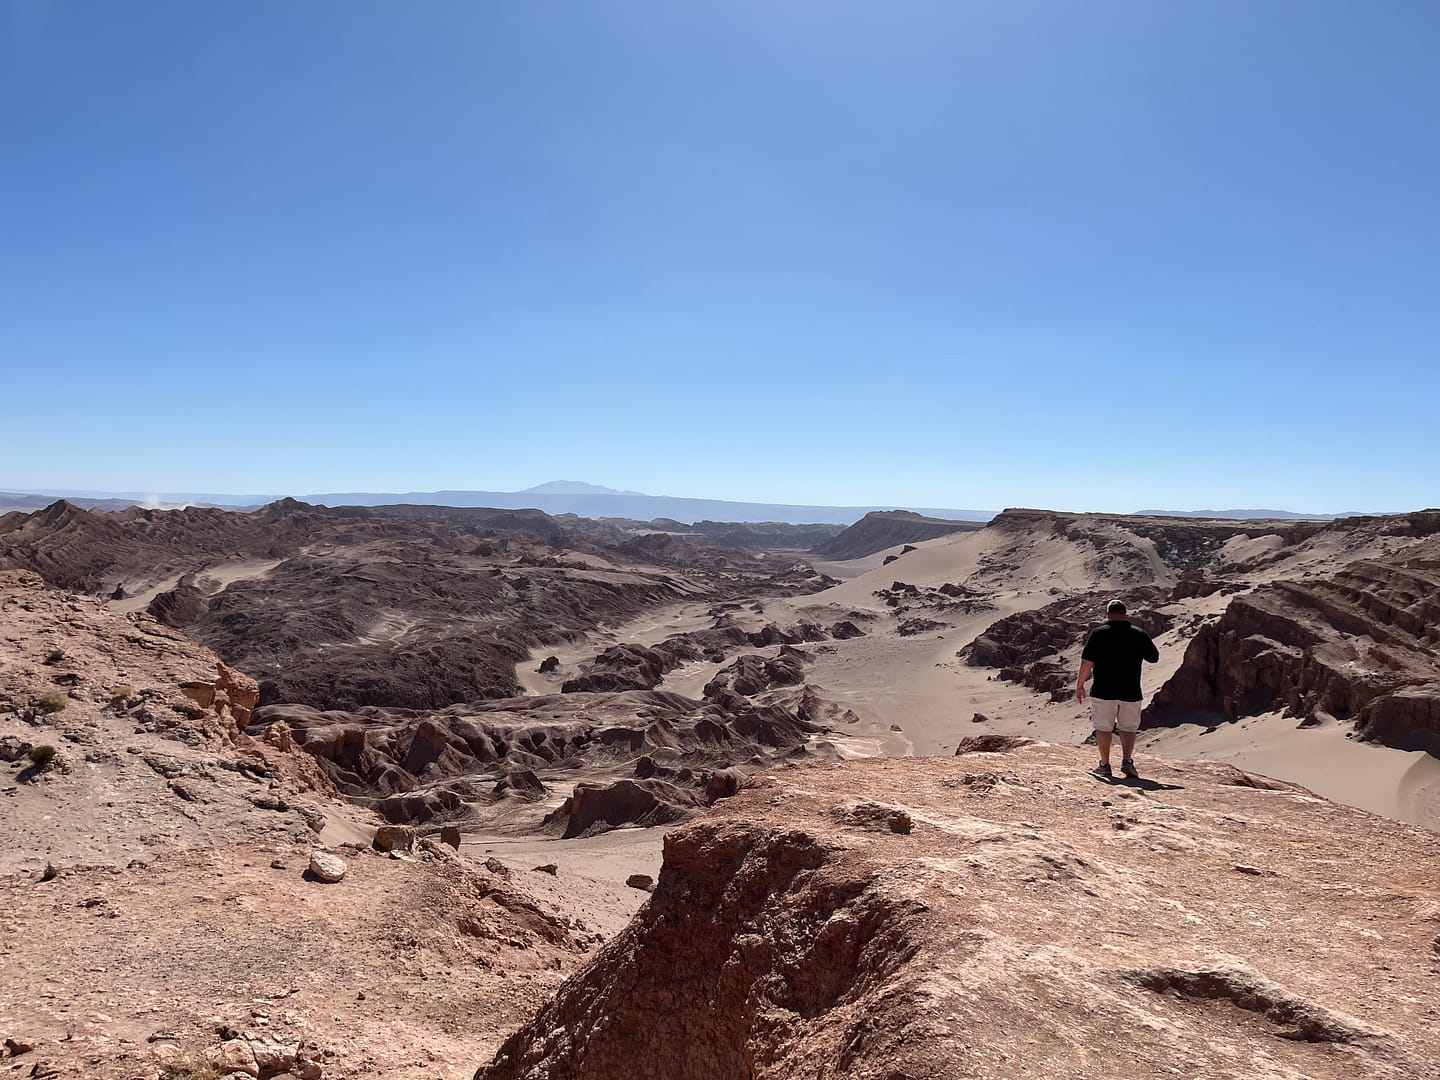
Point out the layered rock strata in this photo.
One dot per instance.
(881, 529)
(1360, 645)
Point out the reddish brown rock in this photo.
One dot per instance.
(787, 937)
(393, 838)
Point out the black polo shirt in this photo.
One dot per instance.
(1117, 650)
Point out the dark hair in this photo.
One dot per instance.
(1115, 607)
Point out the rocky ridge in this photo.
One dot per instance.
(161, 913)
(1358, 645)
(881, 529)
(1025, 921)
(144, 729)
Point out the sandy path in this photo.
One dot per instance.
(141, 600)
(221, 576)
(211, 580)
(590, 875)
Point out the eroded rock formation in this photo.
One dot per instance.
(886, 919)
(1360, 645)
(487, 761)
(400, 606)
(881, 529)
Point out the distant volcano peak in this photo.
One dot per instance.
(573, 487)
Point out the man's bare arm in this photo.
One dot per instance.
(1085, 668)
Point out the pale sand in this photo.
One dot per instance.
(650, 628)
(591, 872)
(918, 685)
(141, 600)
(1394, 783)
(210, 581)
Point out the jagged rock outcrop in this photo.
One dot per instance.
(881, 529)
(232, 696)
(630, 666)
(143, 725)
(520, 784)
(633, 667)
(753, 674)
(488, 761)
(598, 807)
(796, 931)
(1360, 645)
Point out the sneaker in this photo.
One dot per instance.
(1103, 770)
(1128, 768)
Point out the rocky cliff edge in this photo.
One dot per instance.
(1003, 914)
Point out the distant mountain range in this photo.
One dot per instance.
(608, 503)
(29, 500)
(556, 497)
(573, 487)
(568, 497)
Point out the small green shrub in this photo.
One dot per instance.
(54, 701)
(50, 873)
(54, 656)
(121, 691)
(42, 757)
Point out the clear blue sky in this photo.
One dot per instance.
(1094, 255)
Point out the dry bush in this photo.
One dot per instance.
(190, 1068)
(54, 701)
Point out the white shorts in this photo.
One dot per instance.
(1108, 715)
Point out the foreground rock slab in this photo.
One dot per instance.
(1035, 922)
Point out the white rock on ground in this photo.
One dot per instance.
(327, 867)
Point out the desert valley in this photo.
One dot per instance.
(419, 791)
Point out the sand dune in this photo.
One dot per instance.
(913, 695)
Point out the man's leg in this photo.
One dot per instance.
(1127, 723)
(1102, 717)
(1102, 740)
(1127, 744)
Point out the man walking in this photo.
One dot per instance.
(1114, 652)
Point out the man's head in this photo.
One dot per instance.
(1115, 609)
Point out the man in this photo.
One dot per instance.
(1114, 652)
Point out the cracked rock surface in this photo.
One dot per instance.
(1048, 926)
